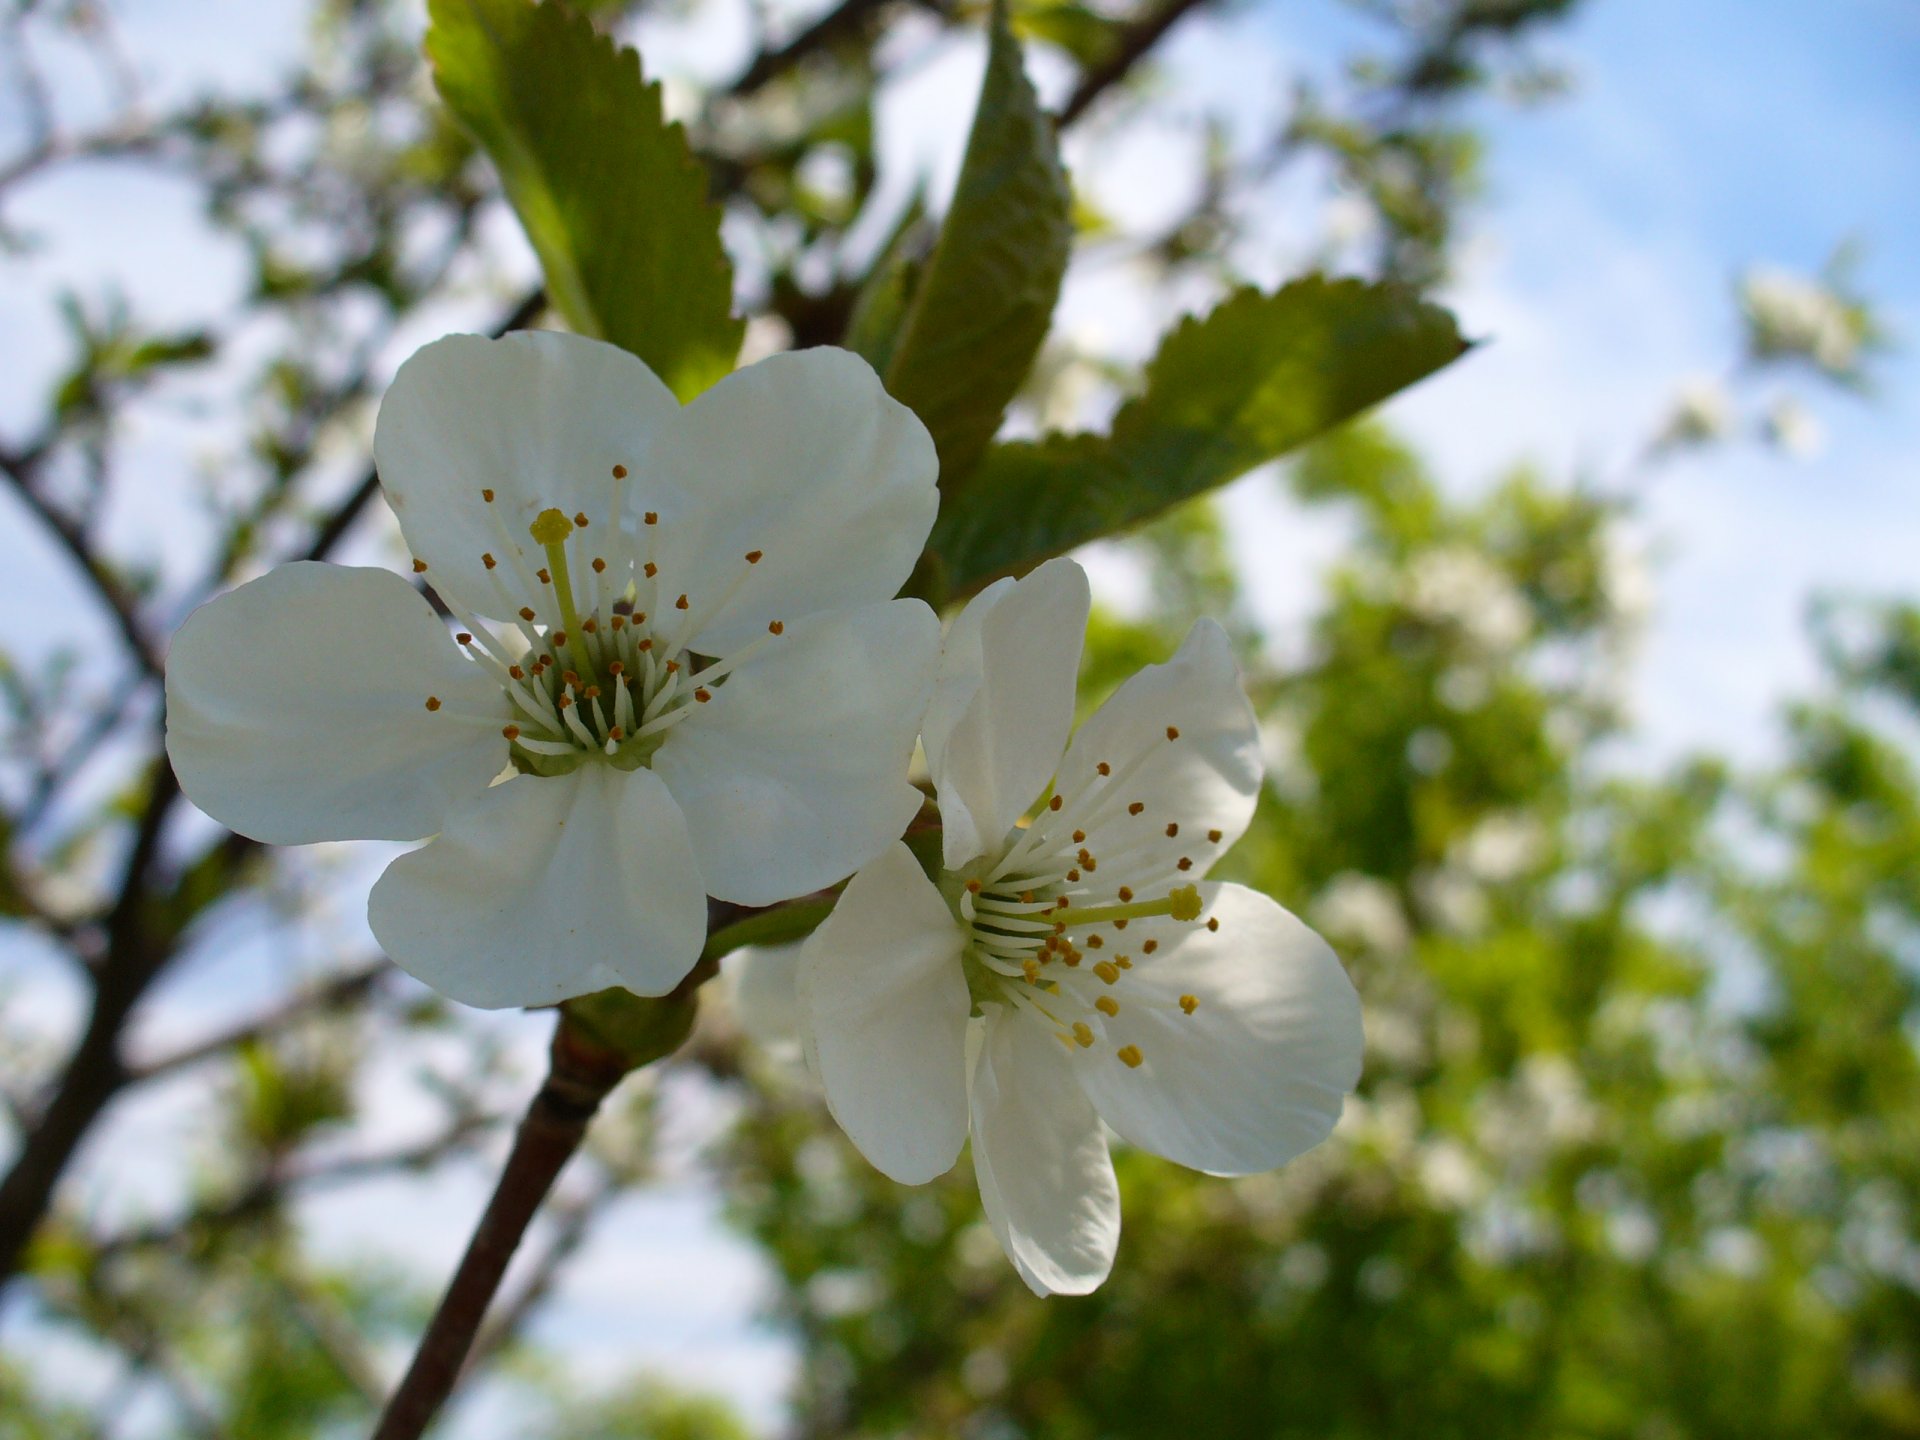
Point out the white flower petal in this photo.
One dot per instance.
(805, 459)
(885, 1010)
(795, 774)
(1203, 782)
(297, 709)
(1040, 1156)
(1258, 1072)
(1003, 703)
(540, 419)
(543, 889)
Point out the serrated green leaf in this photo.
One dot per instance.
(981, 310)
(608, 191)
(1256, 378)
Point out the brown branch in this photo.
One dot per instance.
(1135, 41)
(556, 1122)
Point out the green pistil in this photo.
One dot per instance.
(1182, 904)
(551, 528)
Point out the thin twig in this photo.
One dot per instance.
(843, 20)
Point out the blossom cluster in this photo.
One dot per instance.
(653, 654)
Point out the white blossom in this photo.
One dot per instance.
(678, 669)
(1071, 965)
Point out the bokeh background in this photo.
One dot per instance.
(1588, 671)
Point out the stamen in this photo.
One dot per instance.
(1189, 1003)
(1130, 1056)
(1182, 904)
(1107, 971)
(1083, 1034)
(1107, 1006)
(1216, 836)
(1173, 732)
(419, 567)
(433, 702)
(486, 559)
(512, 732)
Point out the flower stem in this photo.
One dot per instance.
(580, 1076)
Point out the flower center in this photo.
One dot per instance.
(607, 671)
(1046, 930)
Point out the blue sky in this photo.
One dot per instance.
(1702, 135)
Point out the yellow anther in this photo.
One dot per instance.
(1189, 1003)
(1107, 971)
(1095, 942)
(550, 527)
(1083, 1032)
(1125, 962)
(1107, 1006)
(1186, 904)
(1130, 1056)
(1030, 969)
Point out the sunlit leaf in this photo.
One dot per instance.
(1249, 382)
(608, 191)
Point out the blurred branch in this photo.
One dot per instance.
(20, 470)
(267, 1190)
(844, 20)
(333, 993)
(1132, 46)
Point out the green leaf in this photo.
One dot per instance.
(609, 193)
(981, 311)
(1258, 377)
